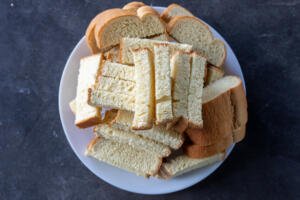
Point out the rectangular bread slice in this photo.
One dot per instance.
(117, 71)
(195, 91)
(87, 115)
(182, 164)
(134, 43)
(161, 37)
(124, 156)
(144, 89)
(113, 93)
(132, 139)
(180, 73)
(163, 96)
(170, 138)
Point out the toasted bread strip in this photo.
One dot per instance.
(163, 96)
(132, 139)
(182, 164)
(124, 156)
(87, 115)
(195, 91)
(144, 90)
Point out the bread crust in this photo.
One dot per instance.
(222, 116)
(239, 134)
(134, 5)
(89, 122)
(199, 151)
(165, 14)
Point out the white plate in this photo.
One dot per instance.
(79, 139)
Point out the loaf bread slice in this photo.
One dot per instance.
(132, 139)
(163, 96)
(114, 24)
(195, 91)
(224, 111)
(182, 164)
(170, 138)
(180, 73)
(134, 5)
(72, 105)
(113, 93)
(124, 156)
(174, 10)
(117, 71)
(134, 43)
(200, 151)
(191, 30)
(213, 73)
(144, 90)
(87, 115)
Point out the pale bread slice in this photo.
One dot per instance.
(198, 66)
(182, 164)
(87, 115)
(144, 109)
(180, 73)
(134, 43)
(191, 30)
(224, 111)
(174, 10)
(170, 138)
(117, 71)
(113, 24)
(124, 156)
(163, 96)
(161, 37)
(132, 139)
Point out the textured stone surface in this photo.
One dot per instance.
(36, 161)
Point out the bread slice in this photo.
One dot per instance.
(200, 151)
(114, 24)
(134, 5)
(118, 71)
(224, 111)
(144, 90)
(157, 133)
(124, 156)
(116, 94)
(213, 73)
(174, 10)
(72, 105)
(132, 139)
(180, 73)
(195, 91)
(163, 96)
(134, 43)
(191, 30)
(87, 115)
(182, 164)
(112, 54)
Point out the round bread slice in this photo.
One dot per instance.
(174, 10)
(191, 30)
(134, 5)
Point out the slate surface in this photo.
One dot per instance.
(36, 161)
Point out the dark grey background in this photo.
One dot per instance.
(36, 161)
